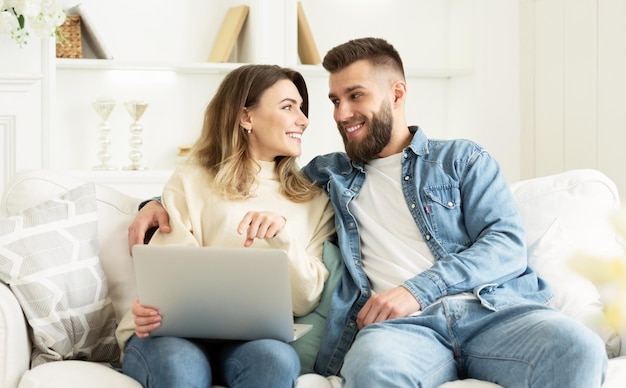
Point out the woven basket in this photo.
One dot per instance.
(69, 40)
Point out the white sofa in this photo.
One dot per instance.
(562, 213)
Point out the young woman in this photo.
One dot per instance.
(241, 187)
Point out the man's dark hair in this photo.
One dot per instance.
(376, 50)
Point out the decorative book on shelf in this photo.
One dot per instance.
(92, 39)
(307, 50)
(231, 28)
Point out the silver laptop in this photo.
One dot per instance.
(217, 293)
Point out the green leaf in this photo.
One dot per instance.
(20, 20)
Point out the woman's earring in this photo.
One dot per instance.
(248, 131)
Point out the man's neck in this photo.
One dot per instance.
(400, 139)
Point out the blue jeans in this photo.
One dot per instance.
(178, 362)
(520, 346)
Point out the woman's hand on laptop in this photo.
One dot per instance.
(260, 225)
(146, 319)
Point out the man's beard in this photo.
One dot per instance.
(377, 137)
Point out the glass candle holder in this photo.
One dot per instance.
(103, 107)
(136, 109)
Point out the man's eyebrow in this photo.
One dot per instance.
(346, 90)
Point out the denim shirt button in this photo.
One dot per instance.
(450, 204)
(428, 237)
(412, 206)
(406, 178)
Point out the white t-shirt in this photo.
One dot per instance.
(393, 249)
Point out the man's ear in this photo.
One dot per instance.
(245, 121)
(399, 92)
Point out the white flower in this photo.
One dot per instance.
(28, 8)
(19, 17)
(609, 276)
(8, 22)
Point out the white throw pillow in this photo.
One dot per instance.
(574, 295)
(49, 259)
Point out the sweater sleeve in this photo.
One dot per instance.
(176, 204)
(173, 201)
(306, 267)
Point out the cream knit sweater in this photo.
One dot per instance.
(200, 217)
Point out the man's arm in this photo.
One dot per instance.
(496, 254)
(151, 215)
(494, 242)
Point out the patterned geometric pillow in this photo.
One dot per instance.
(49, 259)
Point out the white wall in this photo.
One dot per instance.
(476, 41)
(573, 80)
(26, 104)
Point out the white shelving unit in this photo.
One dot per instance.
(179, 86)
(224, 68)
(453, 57)
(145, 66)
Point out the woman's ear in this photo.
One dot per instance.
(245, 121)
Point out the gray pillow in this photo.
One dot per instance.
(49, 259)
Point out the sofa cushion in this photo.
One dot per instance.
(76, 374)
(574, 294)
(583, 200)
(566, 214)
(308, 345)
(49, 258)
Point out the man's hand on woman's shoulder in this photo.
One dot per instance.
(152, 215)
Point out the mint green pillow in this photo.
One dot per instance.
(308, 345)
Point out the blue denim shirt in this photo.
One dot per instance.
(467, 216)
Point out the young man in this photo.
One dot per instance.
(437, 285)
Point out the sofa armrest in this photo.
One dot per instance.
(15, 345)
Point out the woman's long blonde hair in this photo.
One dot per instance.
(223, 144)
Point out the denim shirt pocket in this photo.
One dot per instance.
(443, 208)
(447, 196)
